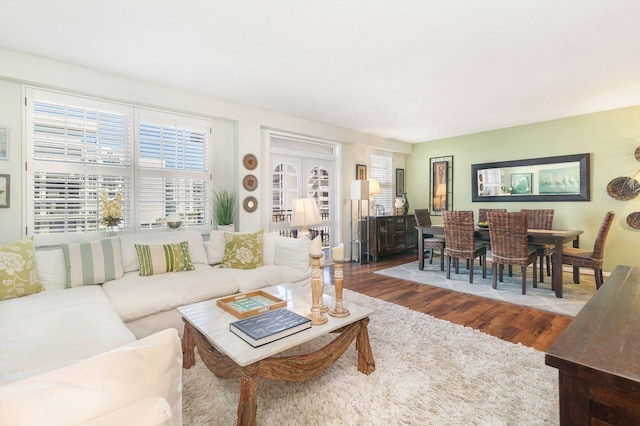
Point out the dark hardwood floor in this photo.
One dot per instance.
(513, 323)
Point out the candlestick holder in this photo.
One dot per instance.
(338, 279)
(317, 316)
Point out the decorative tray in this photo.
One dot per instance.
(246, 305)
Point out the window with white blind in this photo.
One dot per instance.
(381, 168)
(80, 148)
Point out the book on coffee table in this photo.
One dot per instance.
(268, 327)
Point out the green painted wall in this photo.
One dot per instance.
(611, 137)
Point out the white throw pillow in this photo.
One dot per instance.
(293, 252)
(269, 241)
(99, 385)
(51, 268)
(215, 247)
(93, 262)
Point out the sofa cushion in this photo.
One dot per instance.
(93, 387)
(54, 328)
(293, 252)
(134, 297)
(51, 268)
(158, 259)
(242, 250)
(18, 276)
(147, 412)
(130, 257)
(93, 262)
(265, 275)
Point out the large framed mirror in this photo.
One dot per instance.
(562, 178)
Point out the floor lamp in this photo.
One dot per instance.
(305, 214)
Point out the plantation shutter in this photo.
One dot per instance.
(79, 148)
(381, 168)
(173, 168)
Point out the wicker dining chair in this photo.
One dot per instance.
(541, 219)
(460, 243)
(590, 259)
(431, 243)
(509, 245)
(482, 213)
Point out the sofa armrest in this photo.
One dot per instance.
(147, 412)
(148, 368)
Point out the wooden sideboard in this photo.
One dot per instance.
(598, 356)
(392, 234)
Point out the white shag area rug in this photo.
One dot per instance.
(428, 372)
(575, 296)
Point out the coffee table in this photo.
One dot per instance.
(228, 356)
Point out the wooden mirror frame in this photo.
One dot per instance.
(483, 179)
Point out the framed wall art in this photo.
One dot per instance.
(441, 188)
(4, 143)
(361, 172)
(5, 191)
(399, 182)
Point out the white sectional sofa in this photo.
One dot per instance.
(52, 338)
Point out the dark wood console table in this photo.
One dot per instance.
(392, 234)
(598, 356)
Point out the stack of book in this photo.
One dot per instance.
(268, 327)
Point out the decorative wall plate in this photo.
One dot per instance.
(250, 161)
(633, 220)
(637, 153)
(623, 188)
(250, 182)
(250, 204)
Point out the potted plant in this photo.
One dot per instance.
(224, 207)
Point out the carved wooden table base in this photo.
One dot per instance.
(298, 368)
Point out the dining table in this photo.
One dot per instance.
(556, 238)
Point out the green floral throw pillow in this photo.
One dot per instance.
(242, 251)
(18, 276)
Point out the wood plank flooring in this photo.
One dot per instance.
(513, 323)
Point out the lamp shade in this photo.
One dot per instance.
(374, 186)
(305, 212)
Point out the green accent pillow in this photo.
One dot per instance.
(93, 262)
(158, 259)
(18, 276)
(242, 250)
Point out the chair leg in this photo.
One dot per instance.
(598, 276)
(431, 256)
(494, 272)
(456, 261)
(548, 267)
(483, 259)
(501, 273)
(576, 275)
(523, 270)
(442, 259)
(541, 266)
(510, 270)
(470, 270)
(448, 267)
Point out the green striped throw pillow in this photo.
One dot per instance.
(158, 259)
(93, 262)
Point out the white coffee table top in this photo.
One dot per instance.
(213, 322)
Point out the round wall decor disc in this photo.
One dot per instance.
(250, 161)
(637, 153)
(623, 188)
(250, 182)
(633, 220)
(250, 204)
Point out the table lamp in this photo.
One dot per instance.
(173, 220)
(374, 189)
(305, 214)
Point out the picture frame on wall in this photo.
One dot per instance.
(399, 182)
(5, 191)
(4, 143)
(361, 172)
(440, 188)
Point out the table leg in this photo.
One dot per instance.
(576, 270)
(556, 273)
(420, 250)
(248, 404)
(366, 363)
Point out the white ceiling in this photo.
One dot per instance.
(411, 70)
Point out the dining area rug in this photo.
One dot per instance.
(575, 296)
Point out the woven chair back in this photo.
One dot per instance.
(458, 232)
(482, 213)
(423, 218)
(508, 233)
(598, 246)
(539, 218)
